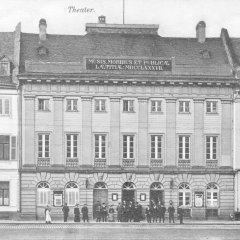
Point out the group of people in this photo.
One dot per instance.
(127, 211)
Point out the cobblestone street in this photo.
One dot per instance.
(119, 231)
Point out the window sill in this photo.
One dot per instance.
(157, 113)
(187, 113)
(129, 112)
(212, 113)
(43, 110)
(100, 111)
(72, 111)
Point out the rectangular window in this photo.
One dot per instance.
(184, 147)
(4, 106)
(100, 146)
(184, 198)
(100, 105)
(156, 147)
(43, 196)
(211, 107)
(4, 147)
(211, 147)
(72, 145)
(43, 104)
(184, 106)
(43, 146)
(212, 199)
(128, 105)
(72, 196)
(128, 146)
(4, 69)
(4, 193)
(156, 106)
(72, 105)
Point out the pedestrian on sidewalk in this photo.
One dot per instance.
(98, 211)
(84, 211)
(171, 211)
(65, 210)
(119, 212)
(47, 215)
(180, 214)
(104, 212)
(76, 213)
(149, 214)
(111, 214)
(162, 211)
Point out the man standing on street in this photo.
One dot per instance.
(180, 214)
(65, 210)
(171, 211)
(162, 211)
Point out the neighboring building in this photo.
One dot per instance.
(9, 176)
(122, 113)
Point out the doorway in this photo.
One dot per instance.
(128, 192)
(156, 193)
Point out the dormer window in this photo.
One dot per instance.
(42, 51)
(205, 54)
(4, 66)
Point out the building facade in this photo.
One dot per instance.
(9, 130)
(122, 113)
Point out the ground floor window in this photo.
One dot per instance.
(212, 195)
(184, 194)
(71, 194)
(43, 194)
(4, 193)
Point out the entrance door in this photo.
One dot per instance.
(128, 192)
(156, 193)
(100, 193)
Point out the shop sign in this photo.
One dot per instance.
(114, 64)
(57, 198)
(199, 199)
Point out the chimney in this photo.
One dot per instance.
(101, 19)
(42, 29)
(200, 32)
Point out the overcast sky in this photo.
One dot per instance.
(176, 18)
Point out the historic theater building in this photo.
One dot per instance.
(122, 113)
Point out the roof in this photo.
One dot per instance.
(186, 52)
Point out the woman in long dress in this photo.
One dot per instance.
(47, 215)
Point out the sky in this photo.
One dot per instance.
(176, 18)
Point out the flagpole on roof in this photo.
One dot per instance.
(123, 9)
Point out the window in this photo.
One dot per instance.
(72, 194)
(100, 105)
(7, 143)
(128, 146)
(43, 146)
(184, 147)
(212, 195)
(211, 147)
(184, 106)
(72, 142)
(4, 106)
(156, 147)
(43, 194)
(43, 104)
(4, 68)
(100, 146)
(156, 106)
(4, 193)
(211, 107)
(72, 105)
(128, 105)
(184, 194)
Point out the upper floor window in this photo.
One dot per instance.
(156, 106)
(43, 146)
(4, 106)
(211, 107)
(72, 105)
(184, 147)
(100, 146)
(100, 105)
(4, 68)
(184, 194)
(184, 106)
(156, 146)
(4, 193)
(43, 194)
(72, 145)
(211, 147)
(128, 146)
(212, 195)
(43, 104)
(128, 105)
(8, 147)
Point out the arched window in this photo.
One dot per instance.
(212, 195)
(71, 194)
(128, 186)
(184, 194)
(156, 186)
(43, 194)
(100, 185)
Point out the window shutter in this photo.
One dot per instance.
(1, 112)
(47, 105)
(13, 147)
(7, 106)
